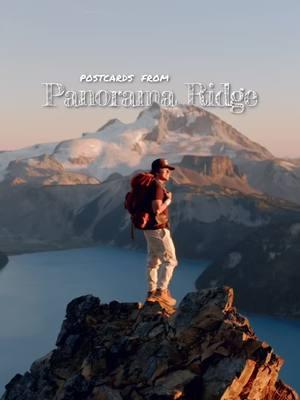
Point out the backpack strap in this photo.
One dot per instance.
(163, 187)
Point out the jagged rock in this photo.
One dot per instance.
(44, 170)
(110, 122)
(213, 166)
(129, 351)
(211, 172)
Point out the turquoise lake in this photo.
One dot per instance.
(36, 288)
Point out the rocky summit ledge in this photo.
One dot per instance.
(204, 350)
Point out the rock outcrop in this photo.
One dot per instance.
(213, 166)
(216, 172)
(44, 170)
(129, 351)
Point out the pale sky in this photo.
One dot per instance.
(253, 45)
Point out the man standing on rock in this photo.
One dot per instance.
(161, 251)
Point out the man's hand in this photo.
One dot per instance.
(158, 206)
(169, 195)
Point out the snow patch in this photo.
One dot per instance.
(287, 165)
(25, 153)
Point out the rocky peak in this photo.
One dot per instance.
(160, 129)
(107, 124)
(35, 164)
(213, 166)
(43, 170)
(181, 119)
(205, 350)
(197, 122)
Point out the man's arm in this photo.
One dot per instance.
(158, 206)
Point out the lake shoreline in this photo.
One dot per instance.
(37, 287)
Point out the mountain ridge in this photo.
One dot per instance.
(130, 351)
(186, 120)
(170, 133)
(266, 263)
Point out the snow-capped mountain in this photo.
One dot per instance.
(170, 133)
(28, 152)
(157, 132)
(277, 177)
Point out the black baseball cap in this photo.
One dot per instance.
(160, 163)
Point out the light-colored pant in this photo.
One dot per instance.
(161, 258)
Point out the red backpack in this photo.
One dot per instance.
(136, 200)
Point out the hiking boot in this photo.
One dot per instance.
(165, 295)
(151, 296)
